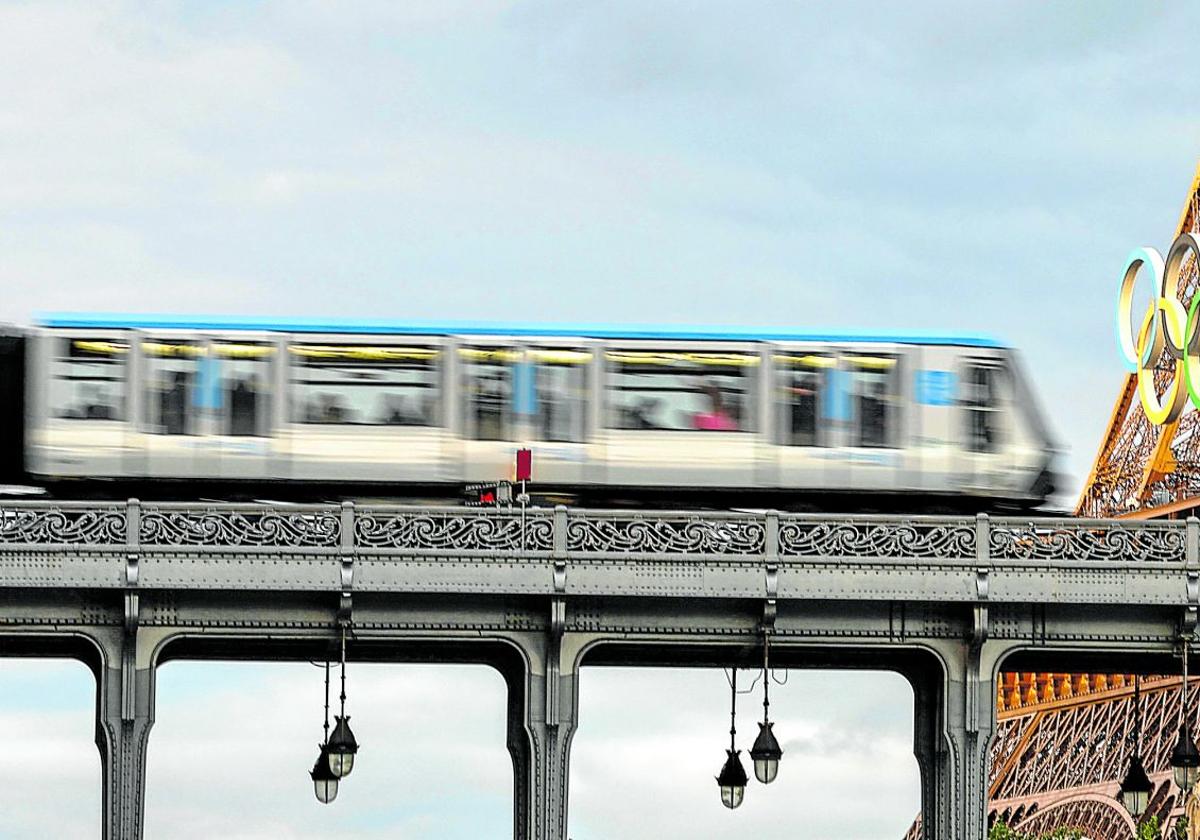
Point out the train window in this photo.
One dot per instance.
(983, 388)
(87, 378)
(241, 375)
(172, 374)
(488, 392)
(801, 382)
(681, 390)
(874, 384)
(560, 394)
(365, 384)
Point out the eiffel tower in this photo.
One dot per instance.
(1063, 743)
(1063, 740)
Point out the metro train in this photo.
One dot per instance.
(256, 407)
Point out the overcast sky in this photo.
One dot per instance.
(910, 165)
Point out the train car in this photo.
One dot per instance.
(258, 406)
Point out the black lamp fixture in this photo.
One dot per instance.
(342, 746)
(1136, 788)
(766, 751)
(1185, 759)
(325, 783)
(732, 779)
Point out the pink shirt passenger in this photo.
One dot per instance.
(717, 421)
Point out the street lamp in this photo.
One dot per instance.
(1136, 788)
(325, 783)
(342, 746)
(732, 779)
(1185, 760)
(766, 751)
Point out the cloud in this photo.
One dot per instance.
(51, 778)
(233, 743)
(653, 740)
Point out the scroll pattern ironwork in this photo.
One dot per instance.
(591, 532)
(233, 528)
(104, 525)
(820, 537)
(1086, 541)
(661, 535)
(465, 531)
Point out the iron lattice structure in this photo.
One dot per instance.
(1062, 746)
(1142, 470)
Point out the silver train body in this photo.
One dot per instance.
(798, 420)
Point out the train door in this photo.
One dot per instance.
(681, 415)
(807, 407)
(983, 418)
(366, 409)
(934, 432)
(173, 421)
(488, 372)
(78, 404)
(874, 445)
(553, 402)
(236, 387)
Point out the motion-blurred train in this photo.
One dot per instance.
(252, 408)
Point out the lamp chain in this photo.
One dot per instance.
(1183, 696)
(326, 701)
(733, 712)
(343, 697)
(766, 677)
(1137, 716)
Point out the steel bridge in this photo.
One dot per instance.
(946, 601)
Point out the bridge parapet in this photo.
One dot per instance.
(598, 532)
(564, 551)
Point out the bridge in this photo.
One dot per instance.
(945, 601)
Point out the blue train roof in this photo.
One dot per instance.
(257, 323)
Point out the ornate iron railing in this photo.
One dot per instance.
(595, 534)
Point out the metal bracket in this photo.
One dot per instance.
(771, 602)
(132, 600)
(557, 626)
(345, 613)
(346, 601)
(980, 622)
(1190, 612)
(558, 617)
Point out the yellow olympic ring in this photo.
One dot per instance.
(1165, 326)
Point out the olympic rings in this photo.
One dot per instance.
(1165, 326)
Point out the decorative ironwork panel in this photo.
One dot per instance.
(1081, 540)
(98, 524)
(623, 533)
(1096, 816)
(453, 529)
(236, 527)
(916, 537)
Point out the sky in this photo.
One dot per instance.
(919, 165)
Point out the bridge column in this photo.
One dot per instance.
(124, 715)
(954, 728)
(542, 716)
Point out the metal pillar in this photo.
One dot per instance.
(542, 716)
(124, 715)
(955, 723)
